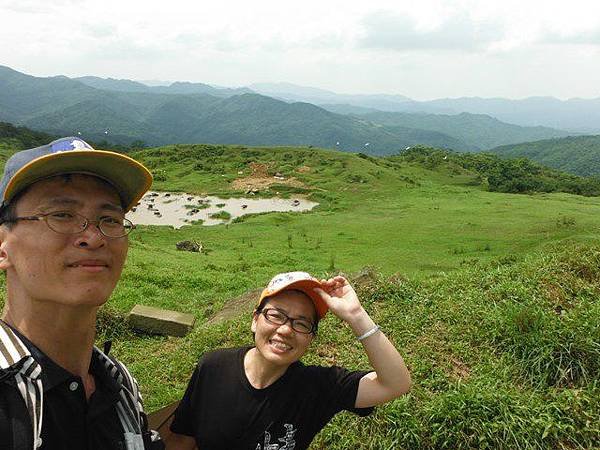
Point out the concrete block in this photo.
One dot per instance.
(160, 321)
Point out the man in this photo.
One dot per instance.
(63, 243)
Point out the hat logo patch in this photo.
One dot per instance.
(287, 278)
(70, 144)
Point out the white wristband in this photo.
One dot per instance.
(371, 332)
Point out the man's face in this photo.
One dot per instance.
(280, 344)
(69, 269)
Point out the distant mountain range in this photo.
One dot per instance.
(576, 115)
(122, 111)
(477, 131)
(579, 155)
(179, 87)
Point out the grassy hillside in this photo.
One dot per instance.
(492, 297)
(576, 154)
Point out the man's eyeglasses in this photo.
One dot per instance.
(278, 317)
(66, 222)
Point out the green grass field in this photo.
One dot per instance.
(491, 297)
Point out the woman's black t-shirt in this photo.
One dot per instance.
(222, 410)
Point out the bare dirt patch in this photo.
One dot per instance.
(236, 306)
(260, 179)
(459, 369)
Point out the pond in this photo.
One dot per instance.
(177, 209)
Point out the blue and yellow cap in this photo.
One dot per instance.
(130, 178)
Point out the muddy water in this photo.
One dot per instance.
(177, 210)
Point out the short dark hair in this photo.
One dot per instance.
(9, 212)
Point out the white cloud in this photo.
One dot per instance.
(431, 48)
(386, 30)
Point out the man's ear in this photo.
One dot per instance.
(4, 260)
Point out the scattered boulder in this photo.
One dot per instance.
(189, 246)
(160, 321)
(244, 206)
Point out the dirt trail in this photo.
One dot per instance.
(235, 307)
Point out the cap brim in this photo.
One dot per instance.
(129, 177)
(307, 287)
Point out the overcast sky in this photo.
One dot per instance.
(424, 50)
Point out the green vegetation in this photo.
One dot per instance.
(491, 296)
(20, 138)
(223, 215)
(503, 175)
(575, 154)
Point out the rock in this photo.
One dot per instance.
(189, 246)
(167, 195)
(160, 321)
(134, 208)
(190, 199)
(244, 206)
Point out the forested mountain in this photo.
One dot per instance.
(124, 111)
(478, 131)
(59, 105)
(577, 154)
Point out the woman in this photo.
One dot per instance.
(263, 397)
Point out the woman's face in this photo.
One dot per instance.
(281, 344)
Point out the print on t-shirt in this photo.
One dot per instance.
(287, 440)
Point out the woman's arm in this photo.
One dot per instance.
(180, 442)
(391, 378)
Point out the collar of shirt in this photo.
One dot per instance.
(54, 375)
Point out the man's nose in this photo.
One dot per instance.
(91, 237)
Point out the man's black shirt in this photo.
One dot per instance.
(70, 421)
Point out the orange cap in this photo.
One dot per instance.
(300, 281)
